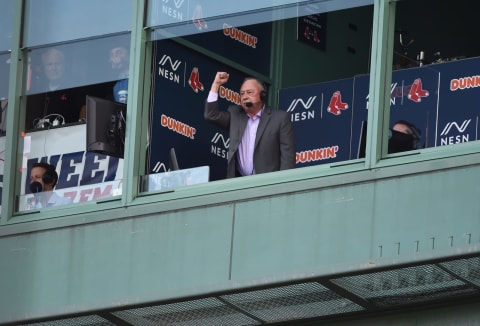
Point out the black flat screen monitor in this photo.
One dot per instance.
(362, 142)
(3, 116)
(105, 126)
(173, 163)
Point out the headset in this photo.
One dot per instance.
(264, 92)
(400, 142)
(50, 177)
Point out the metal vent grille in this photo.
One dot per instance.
(405, 286)
(327, 296)
(202, 312)
(292, 302)
(285, 303)
(467, 269)
(93, 320)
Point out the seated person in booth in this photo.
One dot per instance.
(261, 138)
(56, 104)
(43, 179)
(405, 136)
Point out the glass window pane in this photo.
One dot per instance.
(312, 65)
(80, 176)
(6, 29)
(61, 79)
(162, 12)
(75, 64)
(435, 77)
(52, 21)
(4, 82)
(6, 24)
(4, 74)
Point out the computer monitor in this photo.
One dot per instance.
(105, 126)
(362, 141)
(3, 116)
(173, 163)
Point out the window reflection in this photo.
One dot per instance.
(173, 179)
(67, 196)
(56, 21)
(59, 104)
(76, 64)
(61, 77)
(4, 78)
(119, 60)
(6, 24)
(4, 74)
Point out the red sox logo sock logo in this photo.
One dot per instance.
(315, 37)
(416, 91)
(194, 81)
(306, 33)
(197, 18)
(336, 104)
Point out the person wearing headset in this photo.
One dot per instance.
(261, 138)
(43, 179)
(405, 136)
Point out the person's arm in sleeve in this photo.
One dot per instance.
(212, 111)
(287, 144)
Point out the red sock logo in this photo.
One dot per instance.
(341, 105)
(416, 91)
(197, 81)
(420, 91)
(306, 33)
(336, 104)
(194, 80)
(197, 18)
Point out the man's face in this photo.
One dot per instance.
(119, 58)
(36, 174)
(53, 64)
(250, 93)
